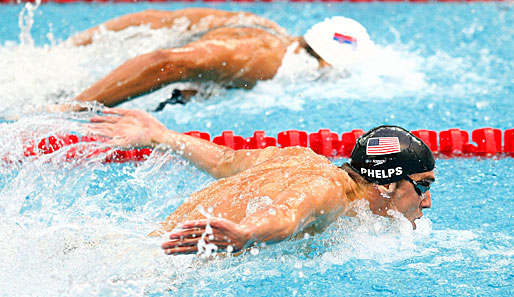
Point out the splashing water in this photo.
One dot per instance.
(76, 68)
(25, 22)
(80, 228)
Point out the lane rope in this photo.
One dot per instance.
(450, 143)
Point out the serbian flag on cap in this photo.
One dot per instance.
(382, 146)
(345, 39)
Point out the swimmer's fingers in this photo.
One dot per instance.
(200, 224)
(105, 119)
(112, 138)
(187, 233)
(118, 111)
(99, 129)
(187, 250)
(223, 233)
(181, 250)
(216, 224)
(185, 237)
(190, 246)
(128, 113)
(222, 242)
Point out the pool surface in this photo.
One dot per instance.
(80, 228)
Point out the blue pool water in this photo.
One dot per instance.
(80, 228)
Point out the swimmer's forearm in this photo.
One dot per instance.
(208, 156)
(271, 225)
(140, 75)
(308, 201)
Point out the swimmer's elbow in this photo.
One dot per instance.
(288, 225)
(224, 167)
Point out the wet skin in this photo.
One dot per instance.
(407, 201)
(235, 51)
(306, 191)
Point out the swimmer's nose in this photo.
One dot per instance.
(427, 202)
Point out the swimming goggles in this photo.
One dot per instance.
(420, 186)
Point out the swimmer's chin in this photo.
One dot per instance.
(414, 226)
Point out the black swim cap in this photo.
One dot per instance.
(387, 154)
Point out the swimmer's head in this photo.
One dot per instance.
(339, 41)
(388, 154)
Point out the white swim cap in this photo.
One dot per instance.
(339, 41)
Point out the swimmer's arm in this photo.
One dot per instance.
(297, 208)
(217, 160)
(300, 206)
(156, 19)
(136, 128)
(203, 60)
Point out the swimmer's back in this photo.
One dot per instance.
(274, 170)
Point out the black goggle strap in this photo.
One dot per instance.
(420, 186)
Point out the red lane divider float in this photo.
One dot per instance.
(79, 148)
(450, 143)
(292, 138)
(259, 141)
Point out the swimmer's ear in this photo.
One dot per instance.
(387, 190)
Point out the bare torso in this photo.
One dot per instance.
(191, 19)
(233, 49)
(236, 197)
(242, 55)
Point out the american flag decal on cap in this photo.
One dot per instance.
(382, 146)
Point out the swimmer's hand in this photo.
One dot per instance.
(56, 108)
(126, 128)
(226, 235)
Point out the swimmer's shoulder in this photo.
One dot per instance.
(305, 152)
(296, 152)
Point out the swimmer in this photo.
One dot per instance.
(296, 190)
(233, 49)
